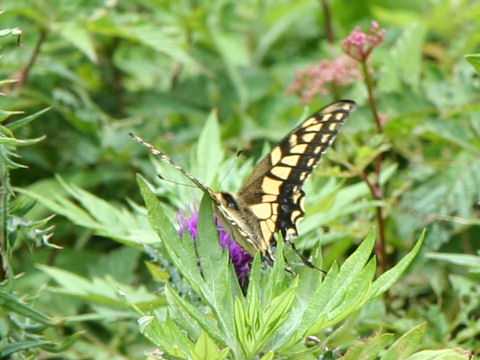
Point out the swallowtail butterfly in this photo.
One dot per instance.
(271, 199)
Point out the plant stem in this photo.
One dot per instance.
(375, 186)
(23, 75)
(328, 21)
(5, 199)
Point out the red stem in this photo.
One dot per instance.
(23, 75)
(375, 186)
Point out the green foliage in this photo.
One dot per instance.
(277, 312)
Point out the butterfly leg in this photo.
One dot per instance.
(304, 259)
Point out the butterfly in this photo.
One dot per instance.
(272, 200)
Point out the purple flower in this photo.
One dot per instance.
(188, 222)
(319, 78)
(241, 260)
(358, 45)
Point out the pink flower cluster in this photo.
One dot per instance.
(319, 77)
(358, 45)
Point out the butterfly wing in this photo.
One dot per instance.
(273, 191)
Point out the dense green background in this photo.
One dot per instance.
(159, 69)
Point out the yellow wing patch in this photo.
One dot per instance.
(271, 186)
(262, 210)
(291, 160)
(282, 172)
(276, 155)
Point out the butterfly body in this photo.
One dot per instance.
(271, 199)
(238, 219)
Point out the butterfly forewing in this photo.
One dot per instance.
(273, 192)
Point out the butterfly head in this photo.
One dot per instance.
(228, 200)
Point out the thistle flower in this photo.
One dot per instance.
(358, 45)
(241, 260)
(319, 78)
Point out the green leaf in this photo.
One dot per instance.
(208, 152)
(158, 274)
(6, 114)
(346, 201)
(205, 348)
(25, 120)
(407, 53)
(96, 214)
(472, 261)
(102, 291)
(368, 349)
(387, 279)
(404, 62)
(232, 50)
(280, 20)
(355, 297)
(213, 260)
(14, 305)
(192, 318)
(78, 35)
(166, 335)
(276, 313)
(268, 356)
(10, 31)
(276, 281)
(441, 355)
(181, 251)
(324, 300)
(406, 344)
(50, 346)
(160, 40)
(474, 60)
(19, 142)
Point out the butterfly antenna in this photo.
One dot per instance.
(174, 182)
(239, 152)
(167, 159)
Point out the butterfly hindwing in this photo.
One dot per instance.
(273, 192)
